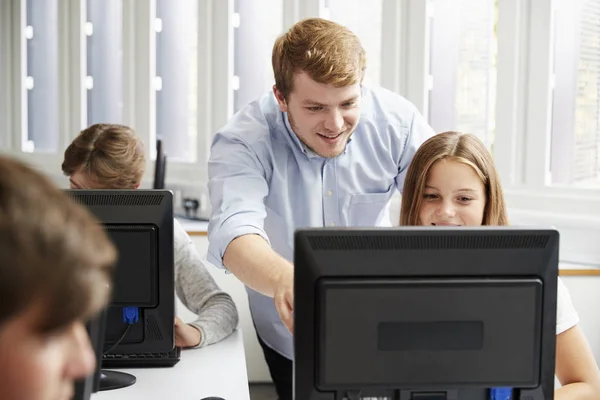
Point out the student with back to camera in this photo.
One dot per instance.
(55, 268)
(110, 156)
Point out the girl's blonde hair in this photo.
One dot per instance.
(112, 155)
(463, 148)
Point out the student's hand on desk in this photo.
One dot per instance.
(186, 335)
(284, 299)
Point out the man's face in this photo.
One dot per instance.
(42, 366)
(322, 116)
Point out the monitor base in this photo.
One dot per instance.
(110, 380)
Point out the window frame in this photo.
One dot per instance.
(215, 97)
(525, 83)
(523, 96)
(5, 74)
(524, 75)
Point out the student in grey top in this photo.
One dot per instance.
(109, 156)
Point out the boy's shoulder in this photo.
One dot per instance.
(255, 124)
(386, 109)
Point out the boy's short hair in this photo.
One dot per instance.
(112, 155)
(328, 52)
(53, 252)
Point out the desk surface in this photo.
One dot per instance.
(215, 370)
(197, 228)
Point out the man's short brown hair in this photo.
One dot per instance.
(110, 154)
(53, 252)
(328, 52)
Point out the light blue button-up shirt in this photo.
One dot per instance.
(263, 180)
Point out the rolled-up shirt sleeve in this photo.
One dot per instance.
(237, 187)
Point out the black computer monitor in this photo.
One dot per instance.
(160, 166)
(441, 313)
(141, 313)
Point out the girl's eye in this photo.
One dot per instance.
(464, 199)
(429, 196)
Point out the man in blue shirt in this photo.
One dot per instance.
(320, 150)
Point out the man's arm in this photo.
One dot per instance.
(237, 239)
(255, 263)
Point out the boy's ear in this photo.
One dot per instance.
(280, 99)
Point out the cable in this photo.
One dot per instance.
(130, 316)
(119, 340)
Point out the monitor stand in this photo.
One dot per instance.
(110, 380)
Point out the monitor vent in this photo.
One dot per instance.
(390, 242)
(152, 329)
(118, 199)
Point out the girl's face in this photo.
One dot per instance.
(453, 196)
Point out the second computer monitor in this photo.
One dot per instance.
(432, 313)
(160, 166)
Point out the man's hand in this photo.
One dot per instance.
(186, 335)
(284, 298)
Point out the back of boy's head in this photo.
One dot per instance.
(53, 252)
(110, 154)
(461, 147)
(328, 52)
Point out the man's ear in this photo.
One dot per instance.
(280, 99)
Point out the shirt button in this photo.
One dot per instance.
(329, 193)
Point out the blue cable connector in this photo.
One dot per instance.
(131, 315)
(502, 393)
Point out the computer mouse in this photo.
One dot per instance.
(212, 398)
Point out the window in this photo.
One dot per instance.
(364, 18)
(575, 138)
(463, 68)
(176, 82)
(104, 80)
(257, 25)
(41, 82)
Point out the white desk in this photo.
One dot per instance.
(215, 370)
(192, 227)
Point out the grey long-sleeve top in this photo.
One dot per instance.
(198, 291)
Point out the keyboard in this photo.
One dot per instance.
(142, 360)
